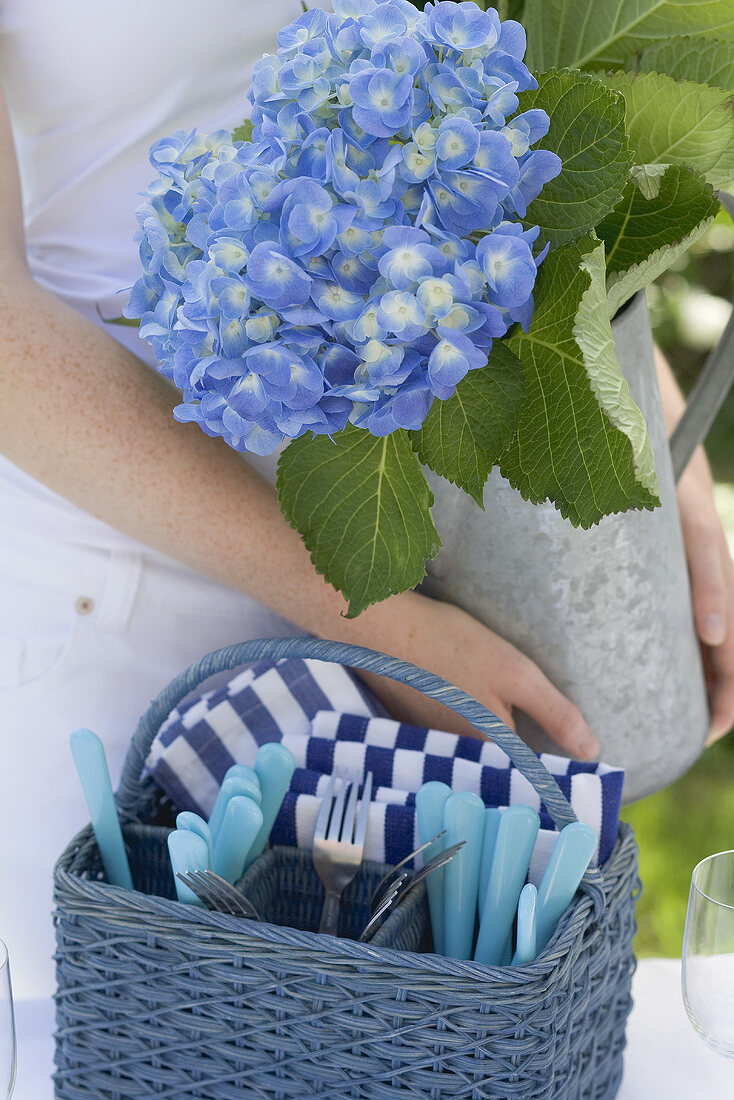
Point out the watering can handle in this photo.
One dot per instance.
(710, 391)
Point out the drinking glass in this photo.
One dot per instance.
(7, 1028)
(708, 952)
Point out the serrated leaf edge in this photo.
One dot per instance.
(615, 401)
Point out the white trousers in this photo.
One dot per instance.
(87, 638)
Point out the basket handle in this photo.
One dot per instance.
(130, 790)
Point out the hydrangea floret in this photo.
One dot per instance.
(356, 258)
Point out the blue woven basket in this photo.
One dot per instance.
(158, 999)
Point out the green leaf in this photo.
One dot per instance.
(662, 213)
(362, 506)
(462, 438)
(706, 61)
(587, 132)
(581, 442)
(678, 123)
(243, 132)
(600, 34)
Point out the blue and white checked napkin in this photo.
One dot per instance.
(330, 721)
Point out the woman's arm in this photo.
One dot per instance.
(709, 563)
(83, 415)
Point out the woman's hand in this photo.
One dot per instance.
(712, 587)
(709, 564)
(446, 640)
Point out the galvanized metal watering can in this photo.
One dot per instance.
(605, 613)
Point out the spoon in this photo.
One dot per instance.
(404, 886)
(384, 886)
(429, 803)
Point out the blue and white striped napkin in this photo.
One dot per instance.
(331, 722)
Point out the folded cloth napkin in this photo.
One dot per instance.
(279, 700)
(211, 730)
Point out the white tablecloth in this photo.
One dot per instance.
(665, 1059)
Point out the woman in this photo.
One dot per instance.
(131, 544)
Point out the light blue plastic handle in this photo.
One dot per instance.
(188, 852)
(491, 824)
(195, 824)
(463, 819)
(527, 928)
(232, 786)
(429, 803)
(243, 771)
(274, 766)
(91, 764)
(242, 822)
(569, 859)
(516, 836)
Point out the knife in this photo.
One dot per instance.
(569, 859)
(516, 836)
(188, 852)
(463, 819)
(274, 767)
(232, 786)
(527, 928)
(241, 823)
(491, 823)
(195, 824)
(91, 765)
(429, 804)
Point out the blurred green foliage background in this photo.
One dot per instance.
(676, 828)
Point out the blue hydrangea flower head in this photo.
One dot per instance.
(357, 257)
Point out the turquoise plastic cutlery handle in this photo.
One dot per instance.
(91, 764)
(243, 771)
(242, 822)
(429, 803)
(491, 824)
(195, 824)
(516, 836)
(188, 852)
(569, 859)
(526, 926)
(274, 766)
(463, 819)
(232, 786)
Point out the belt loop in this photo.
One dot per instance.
(120, 591)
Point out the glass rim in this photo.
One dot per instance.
(702, 892)
(4, 956)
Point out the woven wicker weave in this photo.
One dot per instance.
(158, 999)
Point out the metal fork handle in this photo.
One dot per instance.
(329, 922)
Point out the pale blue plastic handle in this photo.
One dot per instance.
(569, 859)
(195, 824)
(188, 852)
(242, 822)
(463, 819)
(232, 786)
(492, 817)
(274, 767)
(429, 803)
(527, 929)
(91, 764)
(516, 836)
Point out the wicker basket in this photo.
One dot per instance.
(159, 999)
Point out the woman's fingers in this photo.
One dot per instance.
(707, 561)
(407, 705)
(719, 659)
(558, 716)
(446, 640)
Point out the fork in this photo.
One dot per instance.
(338, 843)
(218, 894)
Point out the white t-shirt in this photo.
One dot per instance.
(90, 84)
